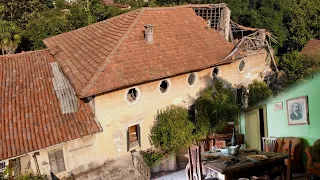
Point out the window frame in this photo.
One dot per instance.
(195, 79)
(217, 75)
(133, 144)
(137, 98)
(54, 153)
(168, 88)
(245, 65)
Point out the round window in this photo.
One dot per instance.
(215, 72)
(242, 65)
(164, 86)
(132, 95)
(192, 79)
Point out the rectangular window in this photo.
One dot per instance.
(192, 112)
(133, 136)
(56, 160)
(239, 96)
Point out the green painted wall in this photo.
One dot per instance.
(277, 120)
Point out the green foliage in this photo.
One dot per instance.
(60, 4)
(21, 11)
(298, 67)
(258, 91)
(46, 25)
(10, 37)
(152, 158)
(172, 129)
(215, 107)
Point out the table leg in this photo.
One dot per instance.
(228, 177)
(284, 171)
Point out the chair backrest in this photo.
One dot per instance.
(195, 164)
(204, 143)
(269, 144)
(289, 175)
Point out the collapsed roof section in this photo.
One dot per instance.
(218, 18)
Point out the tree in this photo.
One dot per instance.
(172, 129)
(9, 37)
(87, 12)
(298, 66)
(47, 24)
(258, 91)
(215, 107)
(21, 11)
(303, 22)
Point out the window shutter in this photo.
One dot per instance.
(138, 134)
(128, 141)
(60, 160)
(53, 162)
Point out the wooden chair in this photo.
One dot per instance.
(204, 143)
(269, 144)
(194, 169)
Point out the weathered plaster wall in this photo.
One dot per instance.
(115, 115)
(79, 155)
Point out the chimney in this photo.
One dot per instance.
(209, 24)
(148, 33)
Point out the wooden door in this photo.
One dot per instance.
(253, 135)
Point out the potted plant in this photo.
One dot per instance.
(171, 131)
(153, 160)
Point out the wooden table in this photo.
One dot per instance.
(232, 169)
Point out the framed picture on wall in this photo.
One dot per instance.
(297, 110)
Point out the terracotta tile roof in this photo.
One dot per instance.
(312, 47)
(113, 54)
(30, 116)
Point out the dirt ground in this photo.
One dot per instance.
(120, 169)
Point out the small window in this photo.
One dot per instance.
(192, 113)
(133, 136)
(242, 65)
(192, 79)
(164, 86)
(239, 97)
(215, 72)
(132, 95)
(3, 165)
(56, 160)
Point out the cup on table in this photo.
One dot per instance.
(243, 146)
(213, 148)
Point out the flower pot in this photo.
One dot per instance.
(156, 168)
(172, 162)
(169, 163)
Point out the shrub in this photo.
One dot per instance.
(215, 106)
(258, 91)
(172, 129)
(152, 158)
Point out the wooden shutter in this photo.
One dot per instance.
(128, 140)
(56, 161)
(53, 162)
(60, 160)
(138, 134)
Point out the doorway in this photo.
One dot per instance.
(256, 127)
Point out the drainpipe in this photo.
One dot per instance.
(36, 161)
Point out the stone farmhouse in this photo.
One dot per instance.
(94, 93)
